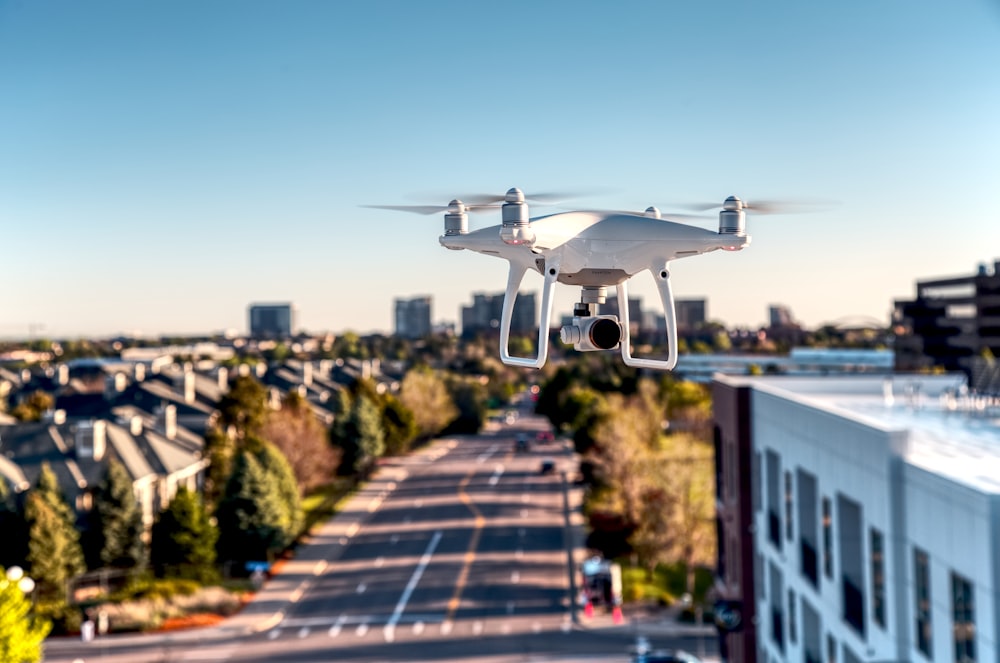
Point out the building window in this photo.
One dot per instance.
(922, 585)
(808, 533)
(755, 488)
(851, 562)
(878, 577)
(793, 635)
(812, 634)
(831, 649)
(963, 618)
(788, 505)
(773, 475)
(827, 539)
(777, 613)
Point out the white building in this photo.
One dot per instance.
(875, 518)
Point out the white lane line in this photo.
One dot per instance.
(353, 529)
(273, 634)
(446, 627)
(303, 632)
(515, 577)
(505, 629)
(425, 559)
(566, 626)
(417, 503)
(497, 473)
(361, 588)
(536, 627)
(418, 628)
(379, 561)
(477, 628)
(394, 539)
(362, 629)
(483, 457)
(319, 568)
(337, 625)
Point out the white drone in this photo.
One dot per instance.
(593, 250)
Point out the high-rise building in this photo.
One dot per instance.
(691, 313)
(272, 321)
(858, 519)
(413, 317)
(635, 318)
(779, 315)
(951, 322)
(486, 310)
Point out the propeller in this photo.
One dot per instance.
(767, 206)
(455, 207)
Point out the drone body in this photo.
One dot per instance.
(593, 250)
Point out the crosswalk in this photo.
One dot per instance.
(412, 626)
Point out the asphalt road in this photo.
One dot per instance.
(462, 551)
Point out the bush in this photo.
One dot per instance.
(65, 618)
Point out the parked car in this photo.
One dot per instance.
(548, 466)
(545, 436)
(522, 442)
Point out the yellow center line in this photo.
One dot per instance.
(470, 552)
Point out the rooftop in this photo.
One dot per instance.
(950, 432)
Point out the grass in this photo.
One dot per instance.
(326, 501)
(667, 584)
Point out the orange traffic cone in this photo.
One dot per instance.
(616, 615)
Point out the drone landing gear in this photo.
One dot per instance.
(662, 276)
(514, 278)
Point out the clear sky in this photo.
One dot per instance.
(164, 164)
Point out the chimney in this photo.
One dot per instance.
(307, 373)
(139, 372)
(114, 385)
(170, 422)
(62, 374)
(274, 398)
(260, 368)
(91, 439)
(325, 366)
(59, 417)
(135, 425)
(223, 378)
(188, 386)
(243, 370)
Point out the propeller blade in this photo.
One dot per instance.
(769, 206)
(429, 209)
(545, 198)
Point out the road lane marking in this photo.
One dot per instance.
(515, 577)
(337, 625)
(319, 568)
(483, 457)
(353, 529)
(390, 627)
(446, 627)
(362, 629)
(394, 539)
(379, 561)
(418, 628)
(361, 588)
(470, 552)
(303, 632)
(273, 634)
(536, 627)
(497, 473)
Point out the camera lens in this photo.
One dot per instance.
(605, 333)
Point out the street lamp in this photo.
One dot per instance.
(16, 575)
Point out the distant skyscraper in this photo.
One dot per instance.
(486, 310)
(779, 315)
(272, 320)
(635, 319)
(691, 313)
(413, 317)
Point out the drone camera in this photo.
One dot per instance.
(597, 332)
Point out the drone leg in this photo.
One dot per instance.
(666, 296)
(514, 278)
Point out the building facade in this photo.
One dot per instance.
(858, 519)
(950, 323)
(483, 316)
(413, 317)
(271, 321)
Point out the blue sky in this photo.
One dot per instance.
(164, 164)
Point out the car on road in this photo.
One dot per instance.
(545, 436)
(665, 656)
(548, 466)
(522, 442)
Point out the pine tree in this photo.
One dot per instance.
(250, 513)
(361, 437)
(115, 528)
(184, 540)
(54, 552)
(279, 471)
(21, 632)
(244, 407)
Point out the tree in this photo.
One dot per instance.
(220, 450)
(426, 395)
(250, 513)
(304, 442)
(184, 540)
(469, 396)
(360, 438)
(54, 552)
(33, 406)
(114, 535)
(21, 631)
(244, 407)
(280, 473)
(398, 424)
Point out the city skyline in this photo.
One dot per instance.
(167, 164)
